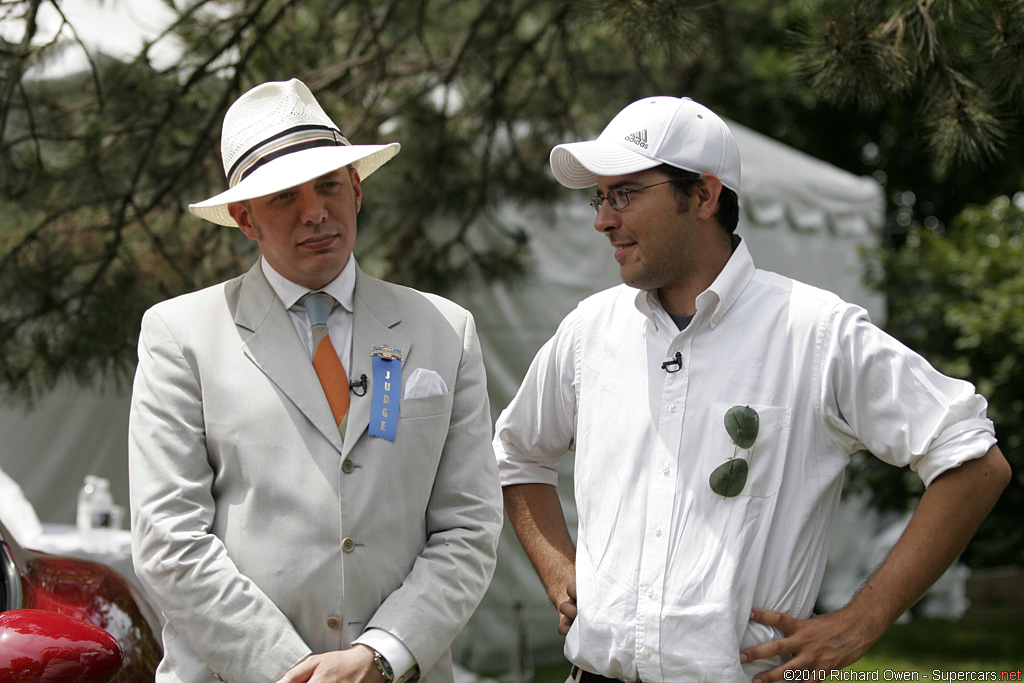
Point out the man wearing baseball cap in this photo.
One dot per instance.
(713, 408)
(312, 490)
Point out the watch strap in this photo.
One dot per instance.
(384, 667)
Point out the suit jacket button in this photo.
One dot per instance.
(334, 623)
(348, 545)
(348, 466)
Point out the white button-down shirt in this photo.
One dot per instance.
(339, 322)
(667, 571)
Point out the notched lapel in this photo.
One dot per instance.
(270, 341)
(375, 322)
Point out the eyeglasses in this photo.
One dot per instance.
(729, 478)
(618, 198)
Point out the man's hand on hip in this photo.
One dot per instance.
(822, 643)
(567, 609)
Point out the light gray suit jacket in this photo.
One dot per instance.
(260, 534)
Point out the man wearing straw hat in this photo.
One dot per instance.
(313, 495)
(713, 408)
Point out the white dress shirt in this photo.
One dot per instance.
(339, 323)
(667, 571)
(339, 327)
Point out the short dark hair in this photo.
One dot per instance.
(728, 211)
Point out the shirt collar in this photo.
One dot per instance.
(342, 288)
(720, 296)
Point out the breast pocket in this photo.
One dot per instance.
(413, 408)
(765, 457)
(423, 427)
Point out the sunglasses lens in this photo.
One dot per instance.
(729, 478)
(741, 422)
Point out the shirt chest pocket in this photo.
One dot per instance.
(765, 458)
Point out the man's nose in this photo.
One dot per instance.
(312, 210)
(607, 218)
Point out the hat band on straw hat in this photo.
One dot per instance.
(294, 139)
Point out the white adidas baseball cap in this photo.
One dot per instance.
(277, 136)
(650, 132)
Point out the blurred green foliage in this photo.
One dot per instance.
(97, 167)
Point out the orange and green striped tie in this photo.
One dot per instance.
(328, 366)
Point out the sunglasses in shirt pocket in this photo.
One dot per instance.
(745, 450)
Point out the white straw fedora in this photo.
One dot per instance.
(277, 136)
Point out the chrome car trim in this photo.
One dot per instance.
(11, 579)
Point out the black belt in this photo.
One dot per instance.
(578, 675)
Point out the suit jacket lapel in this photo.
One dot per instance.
(276, 349)
(375, 323)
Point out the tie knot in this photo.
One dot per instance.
(318, 306)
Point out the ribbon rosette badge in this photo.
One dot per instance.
(387, 382)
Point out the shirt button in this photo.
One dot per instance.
(648, 654)
(672, 408)
(667, 470)
(348, 545)
(348, 466)
(657, 531)
(334, 623)
(650, 592)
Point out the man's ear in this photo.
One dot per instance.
(357, 187)
(708, 190)
(240, 213)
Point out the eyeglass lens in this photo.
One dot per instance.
(618, 199)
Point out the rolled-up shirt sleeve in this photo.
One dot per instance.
(890, 399)
(539, 426)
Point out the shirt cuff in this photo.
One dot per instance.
(391, 648)
(964, 441)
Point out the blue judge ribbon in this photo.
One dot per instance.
(387, 383)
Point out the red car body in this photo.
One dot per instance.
(64, 619)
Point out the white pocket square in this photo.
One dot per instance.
(423, 383)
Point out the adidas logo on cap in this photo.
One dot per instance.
(639, 138)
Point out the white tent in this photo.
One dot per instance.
(800, 216)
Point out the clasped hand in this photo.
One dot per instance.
(354, 665)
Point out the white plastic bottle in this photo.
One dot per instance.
(83, 518)
(95, 505)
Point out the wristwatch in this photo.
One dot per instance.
(384, 667)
